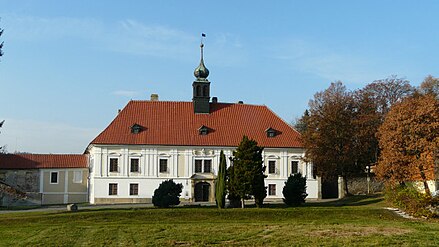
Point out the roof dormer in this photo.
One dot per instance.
(136, 128)
(203, 130)
(271, 132)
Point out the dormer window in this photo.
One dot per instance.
(203, 130)
(136, 129)
(271, 132)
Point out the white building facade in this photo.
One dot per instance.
(140, 169)
(151, 141)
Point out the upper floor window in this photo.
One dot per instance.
(294, 167)
(203, 166)
(271, 166)
(54, 177)
(113, 164)
(134, 165)
(163, 163)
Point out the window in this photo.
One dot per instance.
(271, 189)
(113, 164)
(203, 130)
(112, 189)
(77, 177)
(294, 167)
(207, 166)
(203, 166)
(54, 177)
(163, 166)
(134, 165)
(134, 189)
(136, 129)
(198, 166)
(271, 132)
(272, 167)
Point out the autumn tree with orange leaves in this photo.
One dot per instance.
(409, 141)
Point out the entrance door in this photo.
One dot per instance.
(202, 190)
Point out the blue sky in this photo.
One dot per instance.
(70, 65)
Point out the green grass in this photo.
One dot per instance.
(355, 221)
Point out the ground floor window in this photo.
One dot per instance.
(271, 189)
(134, 189)
(54, 177)
(203, 166)
(163, 165)
(112, 189)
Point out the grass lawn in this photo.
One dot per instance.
(358, 220)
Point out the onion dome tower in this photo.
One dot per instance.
(201, 86)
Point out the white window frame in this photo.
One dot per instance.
(138, 168)
(298, 167)
(75, 181)
(57, 177)
(167, 165)
(129, 189)
(275, 189)
(275, 167)
(109, 164)
(203, 166)
(117, 189)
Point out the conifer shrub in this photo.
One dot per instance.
(294, 190)
(167, 194)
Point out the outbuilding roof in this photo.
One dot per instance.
(175, 123)
(38, 161)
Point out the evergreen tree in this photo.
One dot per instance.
(294, 190)
(220, 185)
(167, 194)
(247, 172)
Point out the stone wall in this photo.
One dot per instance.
(358, 186)
(25, 180)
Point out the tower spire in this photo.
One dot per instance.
(201, 72)
(201, 86)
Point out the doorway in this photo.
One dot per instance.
(202, 192)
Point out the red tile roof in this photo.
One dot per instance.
(175, 123)
(36, 161)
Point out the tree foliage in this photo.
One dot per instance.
(409, 140)
(246, 174)
(301, 123)
(430, 85)
(220, 185)
(167, 194)
(329, 138)
(294, 190)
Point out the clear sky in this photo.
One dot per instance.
(70, 65)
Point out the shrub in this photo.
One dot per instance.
(294, 190)
(410, 200)
(167, 194)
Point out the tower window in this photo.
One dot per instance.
(205, 91)
(198, 93)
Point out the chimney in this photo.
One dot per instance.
(214, 100)
(154, 97)
(241, 102)
(118, 111)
